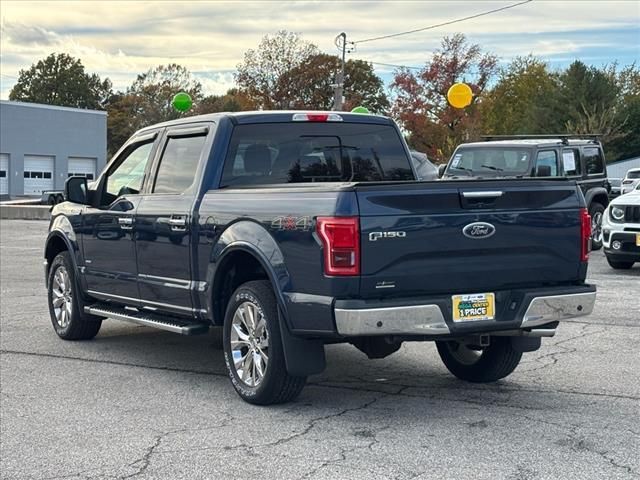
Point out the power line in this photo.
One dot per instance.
(442, 24)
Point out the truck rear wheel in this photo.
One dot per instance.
(66, 305)
(253, 351)
(480, 364)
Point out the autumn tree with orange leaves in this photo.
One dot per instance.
(421, 107)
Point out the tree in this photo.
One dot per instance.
(311, 84)
(60, 79)
(156, 88)
(264, 75)
(148, 101)
(520, 101)
(421, 105)
(627, 144)
(232, 101)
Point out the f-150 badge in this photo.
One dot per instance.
(375, 236)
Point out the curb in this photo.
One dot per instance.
(25, 212)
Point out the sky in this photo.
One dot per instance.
(120, 39)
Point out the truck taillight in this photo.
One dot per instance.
(340, 238)
(585, 234)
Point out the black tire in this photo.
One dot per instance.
(59, 199)
(79, 325)
(596, 210)
(619, 264)
(51, 200)
(494, 362)
(276, 385)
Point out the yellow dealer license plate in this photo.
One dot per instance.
(474, 307)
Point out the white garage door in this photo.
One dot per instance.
(79, 166)
(4, 174)
(38, 174)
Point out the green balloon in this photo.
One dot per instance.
(181, 102)
(360, 110)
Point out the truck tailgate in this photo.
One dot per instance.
(468, 237)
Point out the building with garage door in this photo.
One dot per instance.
(42, 145)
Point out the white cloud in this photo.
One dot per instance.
(123, 39)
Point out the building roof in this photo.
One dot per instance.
(51, 107)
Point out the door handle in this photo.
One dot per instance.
(487, 194)
(178, 223)
(126, 223)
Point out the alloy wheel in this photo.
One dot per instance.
(596, 227)
(250, 343)
(62, 297)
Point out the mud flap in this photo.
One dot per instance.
(302, 356)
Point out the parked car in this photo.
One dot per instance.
(291, 230)
(621, 230)
(578, 158)
(425, 170)
(630, 181)
(615, 190)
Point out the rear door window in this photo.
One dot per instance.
(178, 164)
(593, 160)
(275, 153)
(548, 158)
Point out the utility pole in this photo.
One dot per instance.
(339, 85)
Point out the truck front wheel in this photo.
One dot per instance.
(66, 305)
(253, 351)
(480, 364)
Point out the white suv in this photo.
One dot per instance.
(630, 181)
(621, 230)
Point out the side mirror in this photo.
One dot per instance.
(543, 171)
(75, 190)
(441, 168)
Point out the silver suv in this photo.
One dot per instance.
(630, 181)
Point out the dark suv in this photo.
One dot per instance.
(578, 158)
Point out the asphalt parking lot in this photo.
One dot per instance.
(137, 402)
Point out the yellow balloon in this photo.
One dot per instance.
(460, 95)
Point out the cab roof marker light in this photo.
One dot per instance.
(316, 117)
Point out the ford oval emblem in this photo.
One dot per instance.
(478, 230)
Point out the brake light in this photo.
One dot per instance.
(585, 234)
(316, 117)
(340, 238)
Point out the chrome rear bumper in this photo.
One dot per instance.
(429, 319)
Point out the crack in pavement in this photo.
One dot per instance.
(321, 384)
(578, 445)
(564, 350)
(344, 451)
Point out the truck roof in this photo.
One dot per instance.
(271, 116)
(533, 142)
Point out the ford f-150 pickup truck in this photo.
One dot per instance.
(292, 230)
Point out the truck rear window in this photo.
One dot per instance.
(273, 153)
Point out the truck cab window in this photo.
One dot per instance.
(128, 176)
(178, 165)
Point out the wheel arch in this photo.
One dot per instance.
(598, 195)
(234, 261)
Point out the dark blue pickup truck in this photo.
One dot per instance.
(292, 230)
